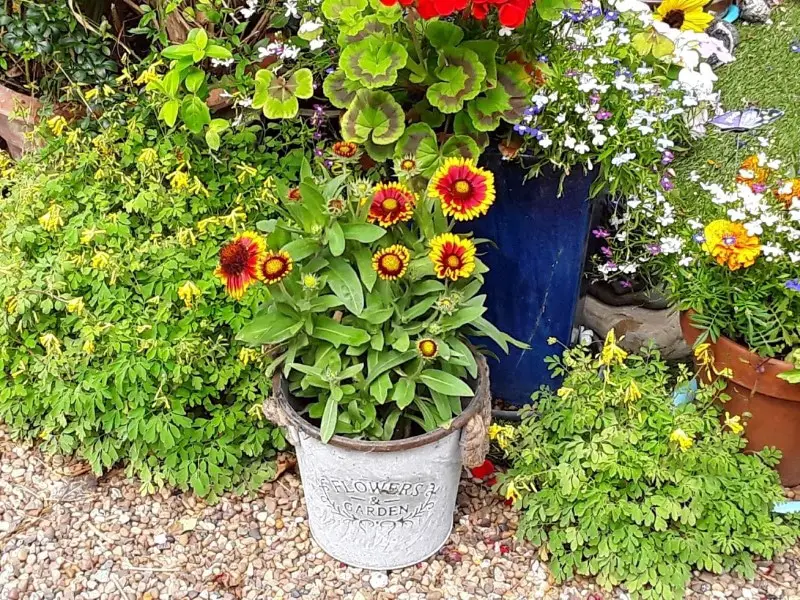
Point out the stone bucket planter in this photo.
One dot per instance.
(384, 505)
(756, 389)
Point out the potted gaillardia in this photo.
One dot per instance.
(373, 300)
(730, 255)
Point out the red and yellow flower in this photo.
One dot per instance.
(730, 244)
(465, 190)
(275, 266)
(428, 348)
(392, 262)
(239, 263)
(345, 149)
(391, 203)
(452, 257)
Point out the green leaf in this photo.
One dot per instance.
(171, 83)
(339, 89)
(461, 75)
(200, 39)
(390, 424)
(336, 239)
(344, 282)
(277, 95)
(375, 116)
(337, 334)
(331, 414)
(445, 383)
(363, 232)
(302, 248)
(442, 34)
(195, 113)
(373, 62)
(507, 100)
(403, 393)
(379, 389)
(169, 112)
(419, 142)
(270, 328)
(652, 42)
(334, 9)
(194, 79)
(792, 376)
(501, 339)
(364, 263)
(487, 54)
(177, 52)
(212, 139)
(218, 52)
(462, 146)
(387, 361)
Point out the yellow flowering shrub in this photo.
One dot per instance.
(115, 342)
(617, 482)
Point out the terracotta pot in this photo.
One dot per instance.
(755, 388)
(13, 130)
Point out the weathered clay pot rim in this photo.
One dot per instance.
(770, 383)
(474, 406)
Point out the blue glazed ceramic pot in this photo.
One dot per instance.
(534, 285)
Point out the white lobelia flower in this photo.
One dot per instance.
(581, 147)
(685, 261)
(754, 228)
(671, 244)
(291, 9)
(310, 26)
(316, 44)
(794, 256)
(505, 31)
(599, 139)
(570, 141)
(734, 214)
(623, 158)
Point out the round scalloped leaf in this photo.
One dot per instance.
(462, 146)
(462, 125)
(506, 101)
(443, 34)
(339, 89)
(487, 54)
(333, 9)
(379, 153)
(366, 26)
(386, 14)
(277, 95)
(375, 116)
(373, 62)
(419, 141)
(461, 76)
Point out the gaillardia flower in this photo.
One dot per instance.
(730, 244)
(428, 348)
(275, 266)
(239, 263)
(345, 149)
(466, 191)
(686, 15)
(452, 256)
(391, 203)
(392, 262)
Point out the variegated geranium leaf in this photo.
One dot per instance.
(419, 142)
(506, 101)
(375, 116)
(461, 75)
(373, 62)
(277, 95)
(339, 89)
(334, 9)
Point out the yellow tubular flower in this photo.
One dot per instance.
(633, 393)
(734, 423)
(189, 292)
(512, 493)
(75, 306)
(612, 353)
(51, 220)
(502, 434)
(683, 440)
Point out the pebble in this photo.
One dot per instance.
(260, 547)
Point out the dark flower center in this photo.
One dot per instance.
(675, 19)
(233, 259)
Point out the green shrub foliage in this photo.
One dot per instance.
(617, 483)
(116, 338)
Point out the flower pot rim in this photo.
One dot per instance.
(282, 396)
(765, 382)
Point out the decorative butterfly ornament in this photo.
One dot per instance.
(747, 119)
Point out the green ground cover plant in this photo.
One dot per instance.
(618, 483)
(114, 341)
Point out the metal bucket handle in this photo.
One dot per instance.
(474, 440)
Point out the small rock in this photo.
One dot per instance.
(378, 580)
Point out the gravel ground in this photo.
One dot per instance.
(67, 535)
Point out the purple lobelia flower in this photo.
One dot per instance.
(603, 115)
(600, 232)
(793, 284)
(666, 184)
(667, 157)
